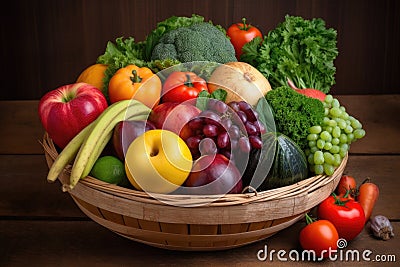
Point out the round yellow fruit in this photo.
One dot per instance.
(241, 81)
(158, 161)
(93, 75)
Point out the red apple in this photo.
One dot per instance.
(65, 111)
(173, 116)
(214, 174)
(127, 131)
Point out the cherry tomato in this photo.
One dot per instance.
(181, 86)
(347, 185)
(240, 34)
(346, 214)
(320, 236)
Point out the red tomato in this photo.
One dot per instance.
(320, 236)
(240, 34)
(346, 183)
(65, 111)
(346, 214)
(182, 86)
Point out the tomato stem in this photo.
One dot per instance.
(245, 26)
(188, 81)
(309, 220)
(338, 201)
(367, 180)
(135, 78)
(347, 193)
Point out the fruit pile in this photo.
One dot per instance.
(229, 129)
(189, 139)
(198, 127)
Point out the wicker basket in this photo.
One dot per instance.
(232, 221)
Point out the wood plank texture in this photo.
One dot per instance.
(381, 121)
(61, 38)
(21, 127)
(85, 243)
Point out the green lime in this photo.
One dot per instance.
(109, 169)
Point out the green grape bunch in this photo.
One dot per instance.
(329, 142)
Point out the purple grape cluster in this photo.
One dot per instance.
(226, 129)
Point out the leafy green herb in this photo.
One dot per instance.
(294, 113)
(301, 50)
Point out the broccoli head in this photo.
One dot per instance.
(198, 42)
(294, 113)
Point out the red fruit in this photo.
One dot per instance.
(346, 183)
(320, 236)
(346, 214)
(240, 34)
(214, 174)
(65, 111)
(173, 116)
(181, 86)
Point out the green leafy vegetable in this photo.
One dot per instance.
(120, 54)
(294, 113)
(299, 49)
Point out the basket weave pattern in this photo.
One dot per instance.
(230, 221)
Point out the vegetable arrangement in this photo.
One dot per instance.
(344, 216)
(173, 41)
(297, 52)
(229, 120)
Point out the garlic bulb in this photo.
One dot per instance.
(381, 227)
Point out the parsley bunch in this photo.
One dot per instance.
(301, 50)
(294, 113)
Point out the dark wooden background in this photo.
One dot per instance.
(47, 43)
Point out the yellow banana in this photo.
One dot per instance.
(98, 149)
(68, 153)
(104, 125)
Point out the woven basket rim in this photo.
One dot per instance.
(304, 187)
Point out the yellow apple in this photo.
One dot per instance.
(158, 161)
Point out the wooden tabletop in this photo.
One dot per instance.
(41, 226)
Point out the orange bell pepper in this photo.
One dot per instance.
(132, 82)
